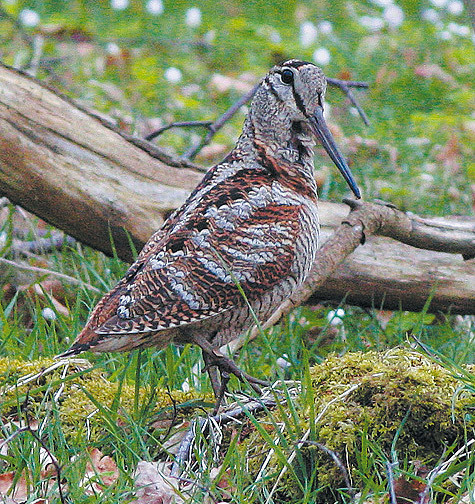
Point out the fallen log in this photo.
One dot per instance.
(75, 170)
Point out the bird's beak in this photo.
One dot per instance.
(322, 132)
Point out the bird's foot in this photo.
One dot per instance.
(215, 361)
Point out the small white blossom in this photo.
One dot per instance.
(417, 141)
(29, 17)
(321, 56)
(185, 386)
(455, 7)
(393, 15)
(155, 7)
(439, 3)
(282, 362)
(426, 177)
(335, 316)
(308, 34)
(382, 3)
(444, 35)
(209, 36)
(372, 23)
(193, 17)
(119, 4)
(112, 48)
(48, 314)
(430, 15)
(458, 29)
(325, 27)
(275, 37)
(173, 75)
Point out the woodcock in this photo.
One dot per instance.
(243, 241)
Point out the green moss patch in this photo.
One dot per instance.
(368, 408)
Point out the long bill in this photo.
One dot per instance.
(322, 132)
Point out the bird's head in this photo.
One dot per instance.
(297, 89)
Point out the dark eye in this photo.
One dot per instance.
(287, 76)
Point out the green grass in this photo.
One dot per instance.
(431, 173)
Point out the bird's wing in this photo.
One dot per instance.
(234, 242)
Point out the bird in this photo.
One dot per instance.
(243, 241)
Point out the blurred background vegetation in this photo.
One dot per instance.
(147, 63)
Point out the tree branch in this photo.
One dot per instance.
(79, 173)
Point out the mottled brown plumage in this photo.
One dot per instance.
(251, 226)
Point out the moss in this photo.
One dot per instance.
(374, 399)
(83, 396)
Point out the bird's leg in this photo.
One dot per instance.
(219, 386)
(214, 359)
(212, 373)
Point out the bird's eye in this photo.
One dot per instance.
(287, 76)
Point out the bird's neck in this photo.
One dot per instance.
(273, 140)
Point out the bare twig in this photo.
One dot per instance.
(41, 245)
(337, 461)
(222, 418)
(390, 473)
(346, 86)
(219, 123)
(45, 271)
(178, 124)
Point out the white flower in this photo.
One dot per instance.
(417, 141)
(444, 35)
(430, 15)
(155, 7)
(372, 23)
(308, 34)
(193, 17)
(393, 15)
(209, 36)
(325, 27)
(29, 17)
(173, 75)
(382, 3)
(275, 37)
(283, 362)
(119, 4)
(48, 314)
(321, 56)
(439, 3)
(426, 177)
(457, 29)
(112, 48)
(455, 7)
(335, 316)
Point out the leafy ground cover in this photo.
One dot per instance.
(145, 64)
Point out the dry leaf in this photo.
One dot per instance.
(101, 472)
(154, 484)
(410, 492)
(22, 488)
